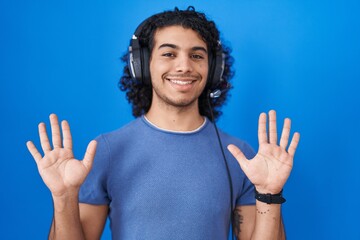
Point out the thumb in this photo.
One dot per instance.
(238, 154)
(90, 154)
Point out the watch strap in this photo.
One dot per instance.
(270, 198)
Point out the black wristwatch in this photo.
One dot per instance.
(270, 198)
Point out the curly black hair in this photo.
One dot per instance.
(140, 94)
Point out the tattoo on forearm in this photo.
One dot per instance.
(262, 212)
(238, 219)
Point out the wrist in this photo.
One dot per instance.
(66, 200)
(267, 189)
(67, 192)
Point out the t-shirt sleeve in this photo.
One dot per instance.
(247, 196)
(94, 188)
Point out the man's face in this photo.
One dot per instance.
(178, 66)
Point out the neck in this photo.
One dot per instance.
(175, 118)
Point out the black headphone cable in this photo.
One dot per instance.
(226, 164)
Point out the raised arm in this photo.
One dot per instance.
(63, 175)
(268, 171)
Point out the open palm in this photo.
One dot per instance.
(58, 168)
(271, 166)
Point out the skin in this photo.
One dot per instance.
(179, 67)
(268, 171)
(179, 56)
(63, 175)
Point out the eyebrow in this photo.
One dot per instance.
(195, 48)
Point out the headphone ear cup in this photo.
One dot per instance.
(135, 60)
(145, 66)
(139, 60)
(218, 69)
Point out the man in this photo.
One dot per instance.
(165, 175)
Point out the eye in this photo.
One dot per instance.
(168, 54)
(197, 56)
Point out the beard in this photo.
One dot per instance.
(174, 102)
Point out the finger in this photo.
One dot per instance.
(240, 157)
(294, 143)
(33, 151)
(55, 131)
(44, 140)
(284, 140)
(67, 139)
(272, 127)
(90, 154)
(262, 129)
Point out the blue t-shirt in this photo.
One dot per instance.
(161, 184)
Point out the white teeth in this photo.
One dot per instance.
(181, 82)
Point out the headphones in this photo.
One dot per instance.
(139, 62)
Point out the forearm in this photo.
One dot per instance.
(268, 222)
(66, 222)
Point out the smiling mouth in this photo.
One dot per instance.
(180, 82)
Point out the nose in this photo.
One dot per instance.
(183, 64)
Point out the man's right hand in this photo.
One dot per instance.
(58, 168)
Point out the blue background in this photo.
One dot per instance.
(298, 57)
